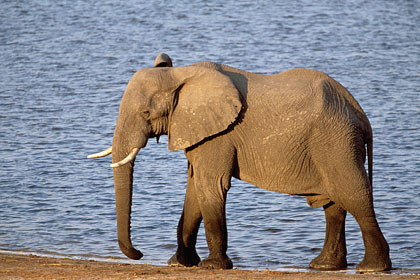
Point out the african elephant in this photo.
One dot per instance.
(298, 132)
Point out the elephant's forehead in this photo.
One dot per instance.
(135, 98)
(145, 79)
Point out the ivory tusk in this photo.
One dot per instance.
(131, 156)
(101, 154)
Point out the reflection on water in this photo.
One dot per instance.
(64, 67)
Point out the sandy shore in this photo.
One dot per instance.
(34, 267)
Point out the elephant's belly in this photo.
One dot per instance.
(284, 183)
(279, 172)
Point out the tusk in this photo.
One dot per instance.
(101, 154)
(131, 156)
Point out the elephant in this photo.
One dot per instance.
(298, 132)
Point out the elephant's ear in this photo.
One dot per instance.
(207, 104)
(162, 60)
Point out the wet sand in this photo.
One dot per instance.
(34, 267)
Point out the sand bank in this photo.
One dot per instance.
(14, 266)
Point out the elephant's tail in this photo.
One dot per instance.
(369, 142)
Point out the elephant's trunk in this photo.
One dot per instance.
(123, 184)
(126, 143)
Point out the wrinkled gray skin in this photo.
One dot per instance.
(298, 132)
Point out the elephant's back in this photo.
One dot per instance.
(325, 88)
(303, 91)
(290, 105)
(286, 95)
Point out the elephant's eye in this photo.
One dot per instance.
(145, 114)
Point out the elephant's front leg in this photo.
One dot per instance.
(333, 255)
(212, 166)
(212, 198)
(186, 254)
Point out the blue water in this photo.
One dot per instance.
(63, 69)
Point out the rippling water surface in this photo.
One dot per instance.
(63, 69)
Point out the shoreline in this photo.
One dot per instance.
(27, 266)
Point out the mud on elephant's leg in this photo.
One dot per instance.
(188, 226)
(333, 255)
(216, 235)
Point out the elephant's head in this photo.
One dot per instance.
(188, 103)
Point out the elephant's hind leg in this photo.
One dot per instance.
(376, 248)
(188, 226)
(355, 196)
(333, 255)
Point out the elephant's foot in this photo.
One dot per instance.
(222, 262)
(374, 264)
(329, 262)
(184, 259)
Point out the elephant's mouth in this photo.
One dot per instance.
(155, 135)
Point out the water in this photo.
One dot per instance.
(64, 67)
